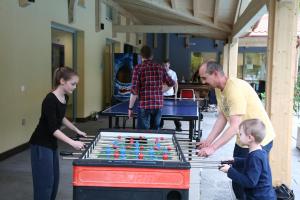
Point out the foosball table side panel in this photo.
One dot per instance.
(105, 193)
(118, 183)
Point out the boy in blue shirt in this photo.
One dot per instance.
(256, 177)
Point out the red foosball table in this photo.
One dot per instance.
(132, 165)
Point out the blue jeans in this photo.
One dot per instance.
(149, 118)
(45, 172)
(243, 153)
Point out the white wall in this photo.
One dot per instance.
(25, 62)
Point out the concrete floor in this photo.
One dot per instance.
(206, 184)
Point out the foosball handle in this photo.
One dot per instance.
(228, 162)
(66, 153)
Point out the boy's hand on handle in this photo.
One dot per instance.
(224, 168)
(78, 145)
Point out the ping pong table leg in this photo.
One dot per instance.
(117, 122)
(191, 129)
(133, 122)
(110, 122)
(191, 133)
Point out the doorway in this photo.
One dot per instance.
(64, 53)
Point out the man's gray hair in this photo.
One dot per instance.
(212, 66)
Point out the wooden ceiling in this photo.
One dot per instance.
(216, 19)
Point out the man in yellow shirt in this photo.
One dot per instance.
(237, 101)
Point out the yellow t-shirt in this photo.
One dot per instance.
(239, 98)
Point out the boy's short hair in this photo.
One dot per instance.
(254, 127)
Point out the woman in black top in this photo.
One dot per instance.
(44, 156)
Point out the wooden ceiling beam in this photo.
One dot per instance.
(254, 11)
(164, 10)
(173, 4)
(241, 6)
(121, 10)
(192, 29)
(216, 10)
(196, 5)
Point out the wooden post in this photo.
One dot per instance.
(225, 58)
(280, 84)
(233, 56)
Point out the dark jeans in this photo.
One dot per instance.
(149, 118)
(45, 172)
(243, 153)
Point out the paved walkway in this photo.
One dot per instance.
(206, 184)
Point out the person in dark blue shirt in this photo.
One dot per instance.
(256, 177)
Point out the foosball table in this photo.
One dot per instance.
(132, 165)
(135, 164)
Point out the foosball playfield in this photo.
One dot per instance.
(122, 164)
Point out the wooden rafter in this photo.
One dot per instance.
(196, 5)
(121, 10)
(190, 29)
(216, 10)
(176, 15)
(241, 6)
(173, 4)
(254, 11)
(71, 6)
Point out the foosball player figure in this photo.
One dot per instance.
(165, 156)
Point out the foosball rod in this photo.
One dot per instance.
(146, 149)
(169, 153)
(66, 155)
(127, 144)
(142, 142)
(111, 155)
(175, 160)
(119, 137)
(206, 166)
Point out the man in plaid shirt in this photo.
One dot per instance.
(147, 85)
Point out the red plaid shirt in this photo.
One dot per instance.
(147, 81)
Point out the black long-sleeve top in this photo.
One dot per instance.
(256, 177)
(52, 114)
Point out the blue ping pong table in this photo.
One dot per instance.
(181, 109)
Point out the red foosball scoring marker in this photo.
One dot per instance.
(141, 156)
(165, 156)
